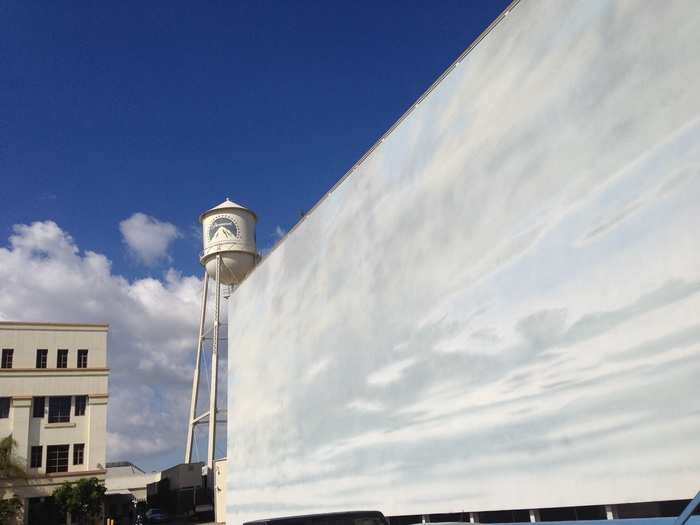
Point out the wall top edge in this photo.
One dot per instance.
(94, 398)
(389, 131)
(29, 325)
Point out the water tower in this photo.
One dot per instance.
(229, 254)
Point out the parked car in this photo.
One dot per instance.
(365, 517)
(157, 516)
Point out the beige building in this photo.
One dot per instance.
(53, 400)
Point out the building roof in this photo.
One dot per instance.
(327, 515)
(116, 464)
(227, 205)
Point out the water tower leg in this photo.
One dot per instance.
(195, 379)
(214, 369)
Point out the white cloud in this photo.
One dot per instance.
(280, 232)
(316, 369)
(147, 237)
(153, 326)
(391, 372)
(365, 405)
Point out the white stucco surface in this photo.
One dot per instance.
(499, 308)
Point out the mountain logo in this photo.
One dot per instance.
(222, 229)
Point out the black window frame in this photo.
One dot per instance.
(82, 363)
(5, 403)
(78, 453)
(57, 458)
(38, 406)
(36, 456)
(59, 409)
(7, 357)
(62, 353)
(80, 405)
(42, 357)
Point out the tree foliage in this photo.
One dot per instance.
(9, 508)
(83, 498)
(11, 466)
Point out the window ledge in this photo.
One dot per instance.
(59, 425)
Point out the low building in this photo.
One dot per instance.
(125, 478)
(126, 489)
(183, 490)
(53, 401)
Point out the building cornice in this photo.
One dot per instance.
(98, 399)
(54, 371)
(78, 474)
(22, 325)
(25, 400)
(51, 479)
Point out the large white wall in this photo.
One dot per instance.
(499, 308)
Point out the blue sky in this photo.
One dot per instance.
(120, 123)
(167, 108)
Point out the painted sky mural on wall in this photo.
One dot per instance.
(499, 307)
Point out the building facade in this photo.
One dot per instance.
(53, 401)
(183, 490)
(496, 310)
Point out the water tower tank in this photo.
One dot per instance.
(229, 230)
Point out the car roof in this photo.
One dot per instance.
(358, 513)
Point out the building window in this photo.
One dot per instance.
(6, 358)
(37, 453)
(78, 453)
(80, 403)
(59, 409)
(57, 458)
(4, 407)
(62, 359)
(41, 356)
(82, 358)
(38, 406)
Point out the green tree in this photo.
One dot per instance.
(83, 499)
(11, 468)
(9, 508)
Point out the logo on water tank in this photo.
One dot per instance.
(223, 229)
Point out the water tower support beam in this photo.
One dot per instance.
(214, 368)
(195, 379)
